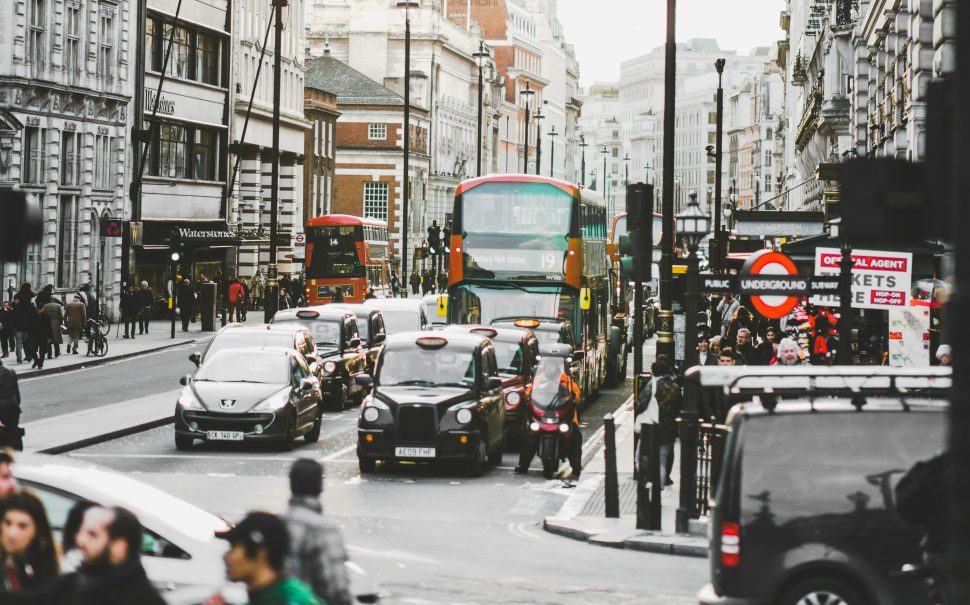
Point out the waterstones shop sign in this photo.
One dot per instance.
(207, 237)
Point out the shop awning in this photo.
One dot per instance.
(766, 223)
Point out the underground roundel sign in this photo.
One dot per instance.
(764, 263)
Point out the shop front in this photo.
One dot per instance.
(207, 249)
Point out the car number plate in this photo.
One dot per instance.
(224, 435)
(414, 452)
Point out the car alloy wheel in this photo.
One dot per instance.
(822, 591)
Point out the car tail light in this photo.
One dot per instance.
(730, 544)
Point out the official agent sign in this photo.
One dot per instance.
(880, 280)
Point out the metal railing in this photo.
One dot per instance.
(710, 457)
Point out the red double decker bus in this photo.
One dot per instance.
(345, 252)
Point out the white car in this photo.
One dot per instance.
(180, 552)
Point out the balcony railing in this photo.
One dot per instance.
(843, 12)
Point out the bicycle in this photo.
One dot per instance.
(103, 325)
(97, 341)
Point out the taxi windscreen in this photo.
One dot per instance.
(326, 333)
(231, 340)
(509, 357)
(396, 322)
(229, 366)
(421, 367)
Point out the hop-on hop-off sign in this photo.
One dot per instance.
(880, 280)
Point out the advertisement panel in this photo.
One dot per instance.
(909, 337)
(880, 279)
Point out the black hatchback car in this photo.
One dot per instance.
(805, 507)
(252, 395)
(436, 397)
(339, 352)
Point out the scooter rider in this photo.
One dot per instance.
(569, 392)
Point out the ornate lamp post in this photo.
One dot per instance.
(527, 92)
(481, 59)
(582, 146)
(552, 152)
(539, 117)
(626, 168)
(692, 225)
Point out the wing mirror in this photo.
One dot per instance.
(196, 358)
(306, 384)
(184, 381)
(364, 380)
(354, 343)
(379, 338)
(578, 355)
(492, 383)
(311, 358)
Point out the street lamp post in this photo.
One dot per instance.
(539, 117)
(717, 261)
(604, 151)
(481, 58)
(552, 152)
(626, 168)
(407, 5)
(582, 146)
(527, 93)
(692, 225)
(271, 300)
(665, 327)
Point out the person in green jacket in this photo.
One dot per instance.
(258, 547)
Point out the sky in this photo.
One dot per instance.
(608, 32)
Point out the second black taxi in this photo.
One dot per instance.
(435, 397)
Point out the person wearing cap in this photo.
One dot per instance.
(944, 354)
(258, 548)
(317, 556)
(111, 573)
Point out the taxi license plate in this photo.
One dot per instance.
(414, 452)
(224, 435)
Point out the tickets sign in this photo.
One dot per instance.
(880, 280)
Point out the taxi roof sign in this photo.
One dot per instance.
(526, 323)
(490, 332)
(431, 342)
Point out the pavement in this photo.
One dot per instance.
(583, 515)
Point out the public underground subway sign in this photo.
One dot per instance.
(880, 279)
(767, 270)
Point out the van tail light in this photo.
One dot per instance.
(730, 544)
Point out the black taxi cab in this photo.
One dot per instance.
(339, 354)
(517, 352)
(370, 327)
(435, 397)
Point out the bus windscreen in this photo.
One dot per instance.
(519, 209)
(334, 252)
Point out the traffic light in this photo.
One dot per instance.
(636, 247)
(434, 238)
(446, 242)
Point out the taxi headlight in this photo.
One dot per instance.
(329, 367)
(464, 416)
(513, 398)
(564, 428)
(188, 401)
(274, 402)
(371, 414)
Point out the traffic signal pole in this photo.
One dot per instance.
(665, 328)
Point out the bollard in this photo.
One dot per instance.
(612, 496)
(649, 482)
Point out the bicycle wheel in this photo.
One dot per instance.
(104, 325)
(100, 345)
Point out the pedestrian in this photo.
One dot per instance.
(23, 315)
(144, 300)
(285, 301)
(75, 317)
(789, 354)
(705, 357)
(744, 346)
(28, 558)
(318, 556)
(824, 344)
(727, 357)
(71, 556)
(767, 349)
(727, 307)
(258, 549)
(244, 303)
(415, 281)
(91, 303)
(45, 295)
(442, 282)
(660, 402)
(55, 313)
(40, 337)
(185, 300)
(111, 573)
(716, 344)
(256, 286)
(129, 310)
(11, 435)
(395, 285)
(742, 319)
(369, 294)
(6, 329)
(8, 484)
(338, 295)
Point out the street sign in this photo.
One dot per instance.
(880, 279)
(782, 285)
(112, 227)
(766, 265)
(299, 246)
(719, 284)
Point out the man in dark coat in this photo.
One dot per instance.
(40, 337)
(185, 300)
(111, 572)
(415, 281)
(129, 310)
(6, 329)
(23, 315)
(10, 435)
(144, 300)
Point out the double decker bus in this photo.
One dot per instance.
(345, 252)
(531, 251)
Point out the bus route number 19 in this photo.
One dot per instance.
(548, 261)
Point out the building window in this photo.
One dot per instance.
(103, 146)
(204, 154)
(37, 33)
(206, 57)
(377, 132)
(375, 200)
(67, 241)
(106, 44)
(72, 40)
(178, 151)
(35, 154)
(767, 157)
(70, 159)
(172, 151)
(194, 55)
(767, 183)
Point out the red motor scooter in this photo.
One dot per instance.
(552, 410)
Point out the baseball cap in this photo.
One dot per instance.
(260, 530)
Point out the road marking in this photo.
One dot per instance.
(188, 457)
(333, 457)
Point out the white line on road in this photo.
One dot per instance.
(333, 457)
(189, 457)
